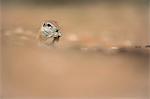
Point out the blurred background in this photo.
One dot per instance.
(95, 58)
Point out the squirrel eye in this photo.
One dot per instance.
(57, 30)
(49, 25)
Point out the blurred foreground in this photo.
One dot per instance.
(86, 63)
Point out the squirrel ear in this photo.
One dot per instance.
(43, 23)
(55, 23)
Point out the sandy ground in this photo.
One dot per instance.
(86, 63)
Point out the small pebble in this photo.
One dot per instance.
(84, 49)
(72, 37)
(7, 33)
(114, 48)
(18, 30)
(24, 38)
(127, 43)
